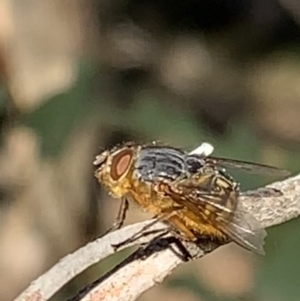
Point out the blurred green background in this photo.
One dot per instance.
(79, 76)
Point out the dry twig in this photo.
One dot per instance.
(150, 266)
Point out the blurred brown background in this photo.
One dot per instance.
(78, 76)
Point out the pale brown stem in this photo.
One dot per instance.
(134, 276)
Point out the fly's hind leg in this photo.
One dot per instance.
(172, 243)
(180, 233)
(119, 221)
(142, 232)
(170, 215)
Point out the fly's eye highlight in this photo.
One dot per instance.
(120, 163)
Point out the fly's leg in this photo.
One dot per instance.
(172, 242)
(181, 231)
(119, 221)
(140, 233)
(182, 252)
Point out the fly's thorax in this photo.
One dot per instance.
(155, 163)
(115, 169)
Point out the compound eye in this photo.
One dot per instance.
(120, 163)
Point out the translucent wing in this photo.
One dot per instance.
(245, 230)
(248, 166)
(196, 193)
(241, 227)
(219, 209)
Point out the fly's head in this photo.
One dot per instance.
(114, 169)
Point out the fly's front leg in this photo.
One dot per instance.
(119, 221)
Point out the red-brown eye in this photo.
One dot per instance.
(120, 163)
